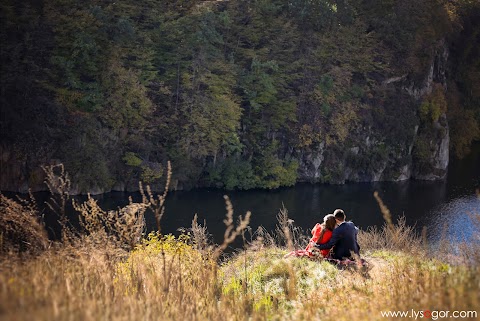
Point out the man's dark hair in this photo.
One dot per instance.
(339, 214)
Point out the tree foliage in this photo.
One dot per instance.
(231, 91)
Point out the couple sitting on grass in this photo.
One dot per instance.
(335, 238)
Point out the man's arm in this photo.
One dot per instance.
(336, 236)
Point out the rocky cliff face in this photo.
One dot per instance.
(368, 155)
(436, 163)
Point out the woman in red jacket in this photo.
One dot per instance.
(321, 233)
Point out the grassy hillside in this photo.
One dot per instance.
(110, 273)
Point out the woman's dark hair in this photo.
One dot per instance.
(329, 223)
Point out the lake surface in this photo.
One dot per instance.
(443, 207)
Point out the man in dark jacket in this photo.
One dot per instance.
(344, 238)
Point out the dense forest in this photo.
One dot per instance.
(236, 94)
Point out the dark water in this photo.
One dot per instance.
(443, 207)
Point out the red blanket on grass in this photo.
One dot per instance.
(311, 250)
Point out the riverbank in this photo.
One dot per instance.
(116, 276)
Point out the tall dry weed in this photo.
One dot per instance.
(201, 237)
(287, 233)
(231, 231)
(59, 185)
(157, 203)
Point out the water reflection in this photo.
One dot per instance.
(456, 220)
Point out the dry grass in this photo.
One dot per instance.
(398, 237)
(123, 227)
(21, 227)
(168, 278)
(287, 233)
(59, 184)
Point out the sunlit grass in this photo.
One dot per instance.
(167, 278)
(100, 276)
